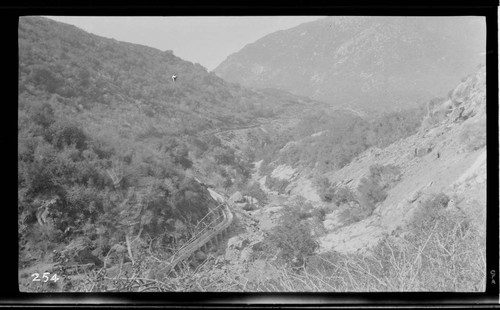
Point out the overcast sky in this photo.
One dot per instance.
(204, 40)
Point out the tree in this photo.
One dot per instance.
(43, 114)
(223, 156)
(293, 237)
(326, 190)
(65, 132)
(43, 76)
(371, 193)
(181, 157)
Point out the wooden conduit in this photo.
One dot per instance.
(213, 232)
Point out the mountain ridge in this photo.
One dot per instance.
(361, 62)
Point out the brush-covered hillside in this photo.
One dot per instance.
(369, 64)
(109, 145)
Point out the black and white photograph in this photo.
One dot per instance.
(268, 154)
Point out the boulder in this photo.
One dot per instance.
(258, 246)
(237, 242)
(237, 197)
(200, 256)
(249, 207)
(414, 196)
(246, 255)
(457, 114)
(273, 210)
(240, 205)
(424, 150)
(332, 221)
(251, 200)
(460, 92)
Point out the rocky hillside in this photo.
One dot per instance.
(370, 64)
(398, 218)
(447, 156)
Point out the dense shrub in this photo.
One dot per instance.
(370, 193)
(292, 236)
(386, 175)
(325, 189)
(329, 192)
(320, 212)
(65, 132)
(199, 147)
(354, 212)
(276, 184)
(223, 156)
(344, 195)
(394, 126)
(429, 211)
(181, 157)
(42, 114)
(254, 190)
(372, 189)
(46, 77)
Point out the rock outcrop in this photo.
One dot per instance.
(236, 197)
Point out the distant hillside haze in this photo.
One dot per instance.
(372, 64)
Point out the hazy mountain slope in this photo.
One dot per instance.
(368, 63)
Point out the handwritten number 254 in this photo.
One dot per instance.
(45, 277)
